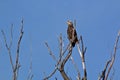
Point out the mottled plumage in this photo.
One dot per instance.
(72, 34)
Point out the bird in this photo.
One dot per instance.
(71, 33)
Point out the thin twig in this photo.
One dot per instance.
(17, 65)
(114, 55)
(30, 74)
(76, 67)
(53, 56)
(102, 76)
(18, 46)
(8, 49)
(61, 47)
(61, 69)
(67, 48)
(67, 57)
(60, 62)
(50, 75)
(11, 34)
(82, 55)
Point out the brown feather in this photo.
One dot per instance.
(72, 34)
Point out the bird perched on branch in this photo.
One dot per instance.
(72, 34)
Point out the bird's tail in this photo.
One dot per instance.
(73, 44)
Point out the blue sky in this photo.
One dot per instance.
(98, 21)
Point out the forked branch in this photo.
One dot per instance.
(113, 57)
(82, 56)
(15, 68)
(61, 61)
(109, 64)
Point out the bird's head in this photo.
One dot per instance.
(69, 23)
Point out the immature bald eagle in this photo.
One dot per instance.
(72, 34)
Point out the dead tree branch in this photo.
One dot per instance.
(30, 74)
(15, 68)
(17, 65)
(11, 36)
(61, 61)
(8, 49)
(50, 75)
(61, 69)
(102, 76)
(109, 64)
(82, 55)
(50, 52)
(113, 57)
(76, 67)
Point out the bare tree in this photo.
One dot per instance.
(63, 59)
(64, 55)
